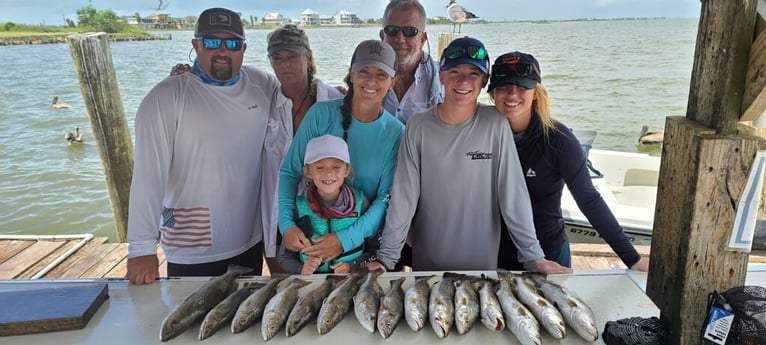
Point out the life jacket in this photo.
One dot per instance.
(322, 226)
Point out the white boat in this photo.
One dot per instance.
(628, 185)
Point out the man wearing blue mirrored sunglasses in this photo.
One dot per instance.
(205, 147)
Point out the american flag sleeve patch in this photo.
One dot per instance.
(186, 227)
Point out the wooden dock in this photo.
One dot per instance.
(99, 258)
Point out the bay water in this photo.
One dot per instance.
(611, 76)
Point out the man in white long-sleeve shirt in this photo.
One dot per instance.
(201, 160)
(457, 176)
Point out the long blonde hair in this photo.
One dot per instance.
(542, 106)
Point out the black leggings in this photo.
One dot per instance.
(252, 258)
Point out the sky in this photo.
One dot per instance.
(53, 12)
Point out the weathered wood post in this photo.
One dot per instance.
(702, 176)
(93, 65)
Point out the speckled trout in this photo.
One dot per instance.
(576, 313)
(416, 303)
(441, 305)
(337, 304)
(199, 302)
(251, 309)
(518, 318)
(224, 311)
(276, 311)
(391, 308)
(307, 307)
(466, 303)
(548, 316)
(491, 311)
(367, 301)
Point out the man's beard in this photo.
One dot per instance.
(220, 71)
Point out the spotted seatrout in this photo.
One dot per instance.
(466, 304)
(416, 303)
(518, 318)
(548, 316)
(491, 311)
(224, 311)
(307, 306)
(199, 302)
(441, 305)
(391, 308)
(276, 311)
(251, 309)
(367, 301)
(337, 303)
(576, 313)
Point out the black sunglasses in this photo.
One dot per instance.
(407, 31)
(524, 70)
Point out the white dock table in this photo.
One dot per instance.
(133, 314)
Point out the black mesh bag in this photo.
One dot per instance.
(748, 304)
(635, 331)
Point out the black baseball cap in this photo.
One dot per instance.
(515, 68)
(215, 20)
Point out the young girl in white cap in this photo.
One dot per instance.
(372, 135)
(329, 205)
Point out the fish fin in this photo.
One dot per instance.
(399, 281)
(238, 269)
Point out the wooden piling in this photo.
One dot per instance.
(702, 176)
(93, 66)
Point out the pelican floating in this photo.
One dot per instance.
(650, 138)
(75, 137)
(58, 105)
(458, 15)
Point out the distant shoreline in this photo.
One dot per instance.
(26, 38)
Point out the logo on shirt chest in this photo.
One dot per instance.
(479, 155)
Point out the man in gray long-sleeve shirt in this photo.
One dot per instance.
(457, 174)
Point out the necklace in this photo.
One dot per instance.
(297, 111)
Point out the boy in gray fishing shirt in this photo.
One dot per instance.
(457, 174)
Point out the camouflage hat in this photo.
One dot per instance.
(288, 37)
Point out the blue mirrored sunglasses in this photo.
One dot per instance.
(214, 43)
(474, 52)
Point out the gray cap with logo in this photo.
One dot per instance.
(374, 53)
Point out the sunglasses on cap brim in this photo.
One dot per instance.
(473, 52)
(524, 70)
(407, 31)
(214, 43)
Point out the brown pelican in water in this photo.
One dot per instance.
(650, 138)
(75, 137)
(58, 105)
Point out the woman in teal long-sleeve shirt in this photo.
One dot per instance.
(373, 137)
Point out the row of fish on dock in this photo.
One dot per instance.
(524, 303)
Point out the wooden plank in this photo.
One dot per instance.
(50, 309)
(718, 78)
(116, 252)
(9, 248)
(75, 258)
(701, 180)
(754, 96)
(28, 257)
(87, 261)
(42, 264)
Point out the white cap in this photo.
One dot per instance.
(326, 146)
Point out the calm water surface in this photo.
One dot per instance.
(611, 76)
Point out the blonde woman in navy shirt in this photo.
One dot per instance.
(550, 150)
